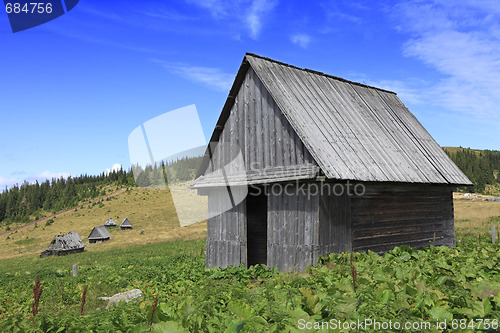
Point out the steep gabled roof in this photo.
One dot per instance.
(66, 242)
(99, 232)
(125, 223)
(110, 223)
(353, 131)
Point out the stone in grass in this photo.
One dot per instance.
(126, 296)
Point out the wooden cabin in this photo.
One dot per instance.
(64, 244)
(311, 134)
(99, 234)
(110, 222)
(125, 225)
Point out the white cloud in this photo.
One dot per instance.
(48, 175)
(209, 76)
(217, 8)
(31, 178)
(459, 40)
(301, 40)
(115, 167)
(8, 182)
(258, 10)
(250, 13)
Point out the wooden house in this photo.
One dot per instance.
(64, 244)
(125, 224)
(99, 234)
(304, 136)
(110, 223)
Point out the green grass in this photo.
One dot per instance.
(432, 284)
(25, 241)
(156, 216)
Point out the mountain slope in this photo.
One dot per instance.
(151, 213)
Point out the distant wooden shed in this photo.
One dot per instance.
(64, 244)
(110, 223)
(125, 224)
(99, 234)
(306, 132)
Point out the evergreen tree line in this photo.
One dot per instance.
(180, 170)
(481, 167)
(20, 202)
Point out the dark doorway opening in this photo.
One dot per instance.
(256, 227)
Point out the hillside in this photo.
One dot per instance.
(25, 202)
(482, 167)
(151, 213)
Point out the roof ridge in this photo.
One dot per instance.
(318, 73)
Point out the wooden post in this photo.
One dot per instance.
(493, 235)
(75, 270)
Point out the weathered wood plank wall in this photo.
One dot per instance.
(335, 233)
(226, 232)
(258, 127)
(417, 216)
(293, 229)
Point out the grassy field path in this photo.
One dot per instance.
(44, 219)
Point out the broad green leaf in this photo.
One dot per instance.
(168, 327)
(482, 308)
(440, 313)
(385, 296)
(236, 328)
(240, 309)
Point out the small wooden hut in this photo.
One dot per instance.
(110, 223)
(64, 244)
(331, 166)
(125, 224)
(99, 234)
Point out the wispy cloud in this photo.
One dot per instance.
(217, 8)
(258, 10)
(19, 177)
(166, 14)
(337, 10)
(460, 40)
(8, 182)
(211, 77)
(301, 40)
(251, 13)
(48, 175)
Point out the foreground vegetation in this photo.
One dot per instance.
(404, 285)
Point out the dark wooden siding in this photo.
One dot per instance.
(293, 226)
(258, 127)
(416, 216)
(226, 232)
(334, 223)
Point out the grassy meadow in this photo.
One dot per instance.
(166, 262)
(474, 217)
(151, 213)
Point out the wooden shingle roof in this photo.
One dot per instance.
(66, 242)
(353, 131)
(126, 223)
(110, 222)
(99, 232)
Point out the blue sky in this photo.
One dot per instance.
(73, 89)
